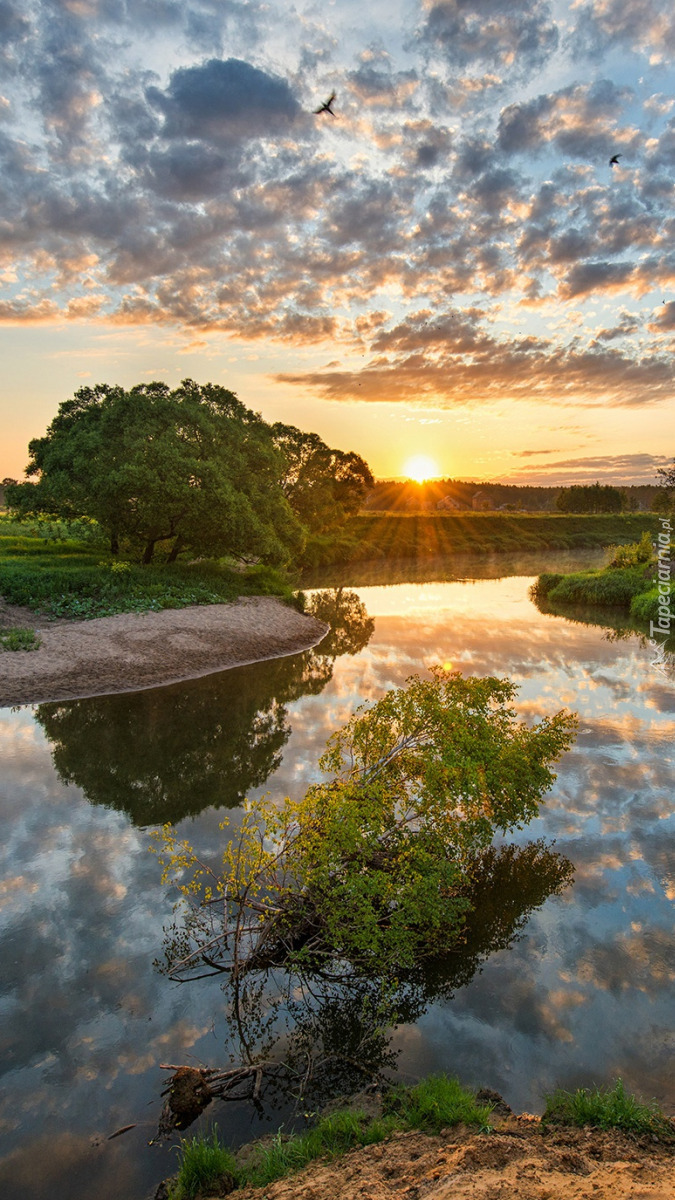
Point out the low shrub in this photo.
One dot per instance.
(607, 1108)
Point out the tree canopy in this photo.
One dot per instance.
(590, 498)
(322, 486)
(192, 468)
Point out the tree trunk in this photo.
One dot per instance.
(149, 551)
(175, 549)
(114, 543)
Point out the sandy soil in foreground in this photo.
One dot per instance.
(140, 650)
(517, 1162)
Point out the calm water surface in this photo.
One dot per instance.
(583, 994)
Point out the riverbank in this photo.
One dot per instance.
(519, 1161)
(132, 651)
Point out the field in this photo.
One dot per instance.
(422, 535)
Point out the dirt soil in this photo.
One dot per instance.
(140, 650)
(518, 1161)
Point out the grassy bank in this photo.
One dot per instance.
(629, 584)
(64, 576)
(431, 535)
(435, 1104)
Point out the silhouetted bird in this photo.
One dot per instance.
(614, 160)
(327, 105)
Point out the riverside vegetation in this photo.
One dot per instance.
(629, 582)
(435, 1103)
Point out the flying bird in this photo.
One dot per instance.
(327, 105)
(614, 160)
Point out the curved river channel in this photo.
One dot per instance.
(567, 974)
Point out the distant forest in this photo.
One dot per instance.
(456, 495)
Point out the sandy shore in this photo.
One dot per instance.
(140, 650)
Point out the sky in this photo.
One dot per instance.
(448, 266)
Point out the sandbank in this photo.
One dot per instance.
(132, 651)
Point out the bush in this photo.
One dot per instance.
(634, 554)
(607, 1108)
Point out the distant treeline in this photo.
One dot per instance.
(461, 495)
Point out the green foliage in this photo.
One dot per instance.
(373, 867)
(645, 606)
(68, 579)
(192, 467)
(322, 486)
(331, 1136)
(589, 498)
(203, 1163)
(634, 554)
(436, 1103)
(608, 587)
(19, 639)
(607, 1108)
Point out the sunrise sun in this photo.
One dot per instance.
(421, 468)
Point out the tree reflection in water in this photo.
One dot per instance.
(320, 1037)
(168, 753)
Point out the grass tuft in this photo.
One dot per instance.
(436, 1103)
(19, 639)
(607, 1108)
(204, 1164)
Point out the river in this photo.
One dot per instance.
(571, 989)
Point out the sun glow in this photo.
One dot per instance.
(421, 468)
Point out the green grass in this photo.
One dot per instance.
(607, 1108)
(435, 1103)
(19, 639)
(611, 588)
(432, 535)
(628, 583)
(71, 578)
(332, 1136)
(203, 1163)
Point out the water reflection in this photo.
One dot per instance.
(168, 753)
(581, 995)
(333, 1034)
(374, 572)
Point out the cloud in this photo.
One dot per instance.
(579, 121)
(620, 469)
(643, 26)
(463, 364)
(505, 36)
(225, 102)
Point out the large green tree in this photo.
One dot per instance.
(322, 486)
(192, 467)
